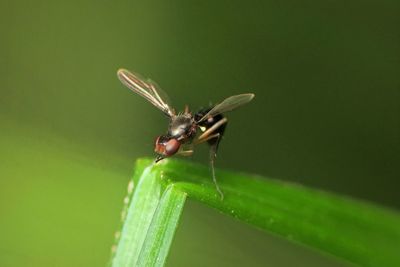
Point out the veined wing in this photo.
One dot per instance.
(147, 89)
(228, 104)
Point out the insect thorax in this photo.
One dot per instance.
(181, 127)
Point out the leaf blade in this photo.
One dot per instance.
(356, 231)
(352, 230)
(161, 232)
(142, 208)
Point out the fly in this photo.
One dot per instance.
(185, 130)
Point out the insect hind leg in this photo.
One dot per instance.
(213, 155)
(214, 129)
(217, 128)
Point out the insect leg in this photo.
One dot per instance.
(205, 136)
(214, 137)
(213, 155)
(159, 158)
(185, 153)
(205, 139)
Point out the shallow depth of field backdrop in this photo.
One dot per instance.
(326, 114)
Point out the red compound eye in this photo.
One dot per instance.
(166, 146)
(171, 147)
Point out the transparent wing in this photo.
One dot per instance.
(147, 89)
(228, 104)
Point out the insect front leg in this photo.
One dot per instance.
(185, 153)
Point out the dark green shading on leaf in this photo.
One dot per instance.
(355, 231)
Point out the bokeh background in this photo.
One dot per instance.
(326, 115)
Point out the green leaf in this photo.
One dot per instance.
(159, 238)
(150, 221)
(355, 231)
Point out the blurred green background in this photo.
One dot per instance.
(326, 114)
